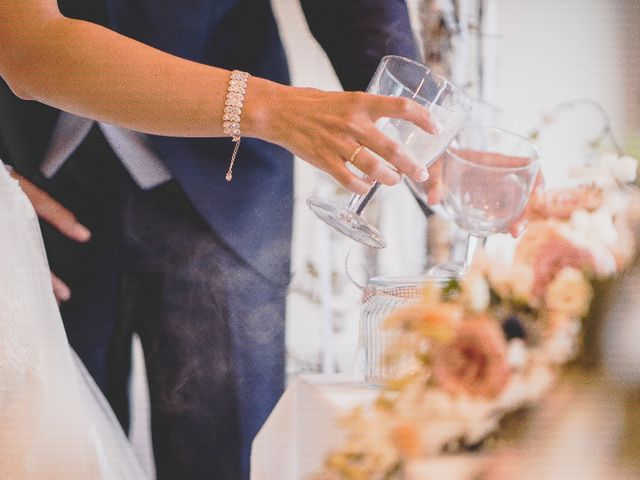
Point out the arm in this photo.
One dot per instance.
(94, 72)
(356, 34)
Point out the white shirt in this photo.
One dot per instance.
(132, 148)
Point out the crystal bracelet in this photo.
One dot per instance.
(233, 112)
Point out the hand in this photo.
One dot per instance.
(326, 128)
(434, 188)
(59, 218)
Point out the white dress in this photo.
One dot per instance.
(54, 422)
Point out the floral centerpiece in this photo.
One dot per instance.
(495, 341)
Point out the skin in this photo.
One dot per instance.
(96, 73)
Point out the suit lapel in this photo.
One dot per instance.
(25, 130)
(26, 126)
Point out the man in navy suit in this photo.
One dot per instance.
(197, 267)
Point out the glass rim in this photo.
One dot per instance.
(429, 71)
(535, 160)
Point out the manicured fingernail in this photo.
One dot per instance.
(64, 293)
(424, 176)
(520, 228)
(82, 233)
(437, 126)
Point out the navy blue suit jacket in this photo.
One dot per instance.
(252, 214)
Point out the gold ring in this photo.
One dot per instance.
(355, 153)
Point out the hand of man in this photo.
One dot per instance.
(59, 218)
(433, 187)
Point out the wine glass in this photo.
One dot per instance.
(482, 182)
(401, 77)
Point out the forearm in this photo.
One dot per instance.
(94, 72)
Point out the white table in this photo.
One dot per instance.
(303, 427)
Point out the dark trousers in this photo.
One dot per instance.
(211, 327)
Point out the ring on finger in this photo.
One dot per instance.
(355, 153)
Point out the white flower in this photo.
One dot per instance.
(610, 168)
(597, 233)
(561, 345)
(512, 281)
(517, 354)
(598, 176)
(475, 292)
(569, 293)
(623, 168)
(587, 229)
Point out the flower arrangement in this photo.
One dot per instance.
(495, 341)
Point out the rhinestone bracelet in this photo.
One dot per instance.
(233, 111)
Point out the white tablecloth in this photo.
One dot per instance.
(303, 427)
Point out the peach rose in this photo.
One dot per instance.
(537, 234)
(475, 362)
(406, 438)
(556, 254)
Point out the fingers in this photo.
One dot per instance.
(60, 289)
(539, 185)
(405, 109)
(375, 169)
(392, 152)
(433, 187)
(347, 178)
(54, 213)
(518, 227)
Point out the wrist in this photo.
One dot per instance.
(260, 110)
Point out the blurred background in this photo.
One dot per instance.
(548, 68)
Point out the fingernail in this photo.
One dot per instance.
(437, 126)
(82, 233)
(64, 294)
(424, 176)
(520, 228)
(369, 180)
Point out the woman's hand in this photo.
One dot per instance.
(326, 128)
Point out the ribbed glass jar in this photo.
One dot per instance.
(383, 295)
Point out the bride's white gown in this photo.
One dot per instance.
(54, 422)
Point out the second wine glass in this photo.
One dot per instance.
(482, 183)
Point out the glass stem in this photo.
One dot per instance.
(473, 243)
(358, 202)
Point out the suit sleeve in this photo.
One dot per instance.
(356, 34)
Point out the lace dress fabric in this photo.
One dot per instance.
(54, 423)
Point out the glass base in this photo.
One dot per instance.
(349, 223)
(447, 270)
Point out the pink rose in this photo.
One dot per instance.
(554, 255)
(475, 362)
